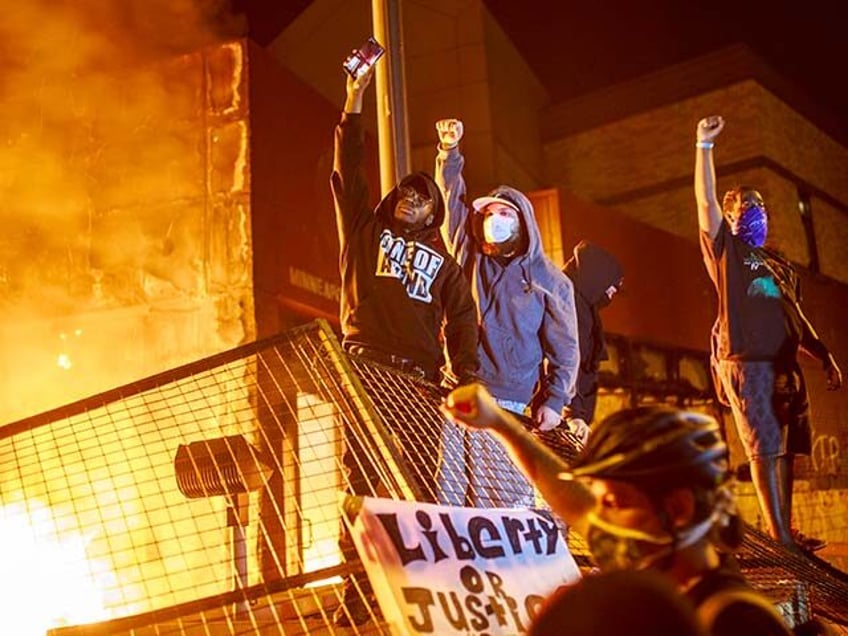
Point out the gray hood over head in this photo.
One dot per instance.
(525, 304)
(533, 246)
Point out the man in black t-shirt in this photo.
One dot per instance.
(756, 337)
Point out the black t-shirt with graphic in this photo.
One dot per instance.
(757, 291)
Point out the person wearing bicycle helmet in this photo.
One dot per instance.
(651, 489)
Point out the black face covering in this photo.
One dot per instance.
(402, 227)
(606, 299)
(615, 547)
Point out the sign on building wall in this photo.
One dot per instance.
(444, 570)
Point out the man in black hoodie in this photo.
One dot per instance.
(399, 287)
(597, 277)
(398, 281)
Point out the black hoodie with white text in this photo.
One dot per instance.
(401, 290)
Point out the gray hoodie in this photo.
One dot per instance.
(525, 307)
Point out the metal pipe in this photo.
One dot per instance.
(392, 129)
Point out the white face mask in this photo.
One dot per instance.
(498, 228)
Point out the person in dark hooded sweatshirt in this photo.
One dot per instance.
(597, 276)
(527, 328)
(403, 295)
(399, 283)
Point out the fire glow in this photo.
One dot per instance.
(63, 361)
(107, 99)
(108, 234)
(49, 580)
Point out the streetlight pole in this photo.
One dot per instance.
(392, 129)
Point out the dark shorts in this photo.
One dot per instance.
(769, 407)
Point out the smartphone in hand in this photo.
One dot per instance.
(363, 58)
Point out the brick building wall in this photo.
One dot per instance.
(642, 165)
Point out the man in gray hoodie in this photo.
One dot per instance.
(528, 347)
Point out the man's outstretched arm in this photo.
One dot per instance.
(709, 210)
(348, 181)
(448, 174)
(473, 407)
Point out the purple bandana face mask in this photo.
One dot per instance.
(751, 226)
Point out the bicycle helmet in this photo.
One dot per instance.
(657, 449)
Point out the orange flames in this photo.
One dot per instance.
(48, 579)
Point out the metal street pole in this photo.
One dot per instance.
(392, 129)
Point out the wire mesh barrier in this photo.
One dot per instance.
(206, 500)
(802, 586)
(408, 408)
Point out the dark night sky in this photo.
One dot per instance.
(577, 46)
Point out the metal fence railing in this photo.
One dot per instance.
(206, 500)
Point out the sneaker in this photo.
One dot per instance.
(807, 543)
(354, 609)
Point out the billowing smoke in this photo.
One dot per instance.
(101, 170)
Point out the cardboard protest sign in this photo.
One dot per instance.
(442, 570)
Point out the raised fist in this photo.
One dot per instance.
(709, 128)
(471, 405)
(450, 132)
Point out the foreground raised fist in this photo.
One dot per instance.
(471, 405)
